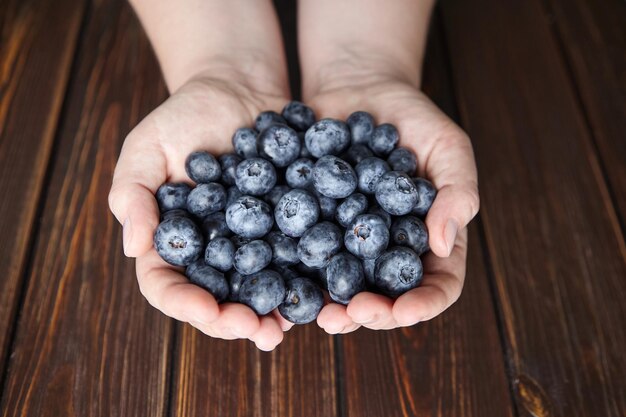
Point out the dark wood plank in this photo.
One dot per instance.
(558, 259)
(87, 343)
(37, 42)
(594, 41)
(450, 366)
(233, 378)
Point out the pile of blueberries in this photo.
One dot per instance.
(302, 205)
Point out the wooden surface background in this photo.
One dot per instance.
(540, 86)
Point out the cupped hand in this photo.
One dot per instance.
(445, 157)
(203, 114)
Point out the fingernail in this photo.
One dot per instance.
(450, 234)
(126, 235)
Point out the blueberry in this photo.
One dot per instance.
(255, 176)
(384, 138)
(327, 137)
(350, 208)
(398, 270)
(361, 127)
(210, 279)
(219, 254)
(402, 159)
(378, 210)
(249, 217)
(303, 301)
(367, 236)
(357, 153)
(178, 241)
(296, 212)
(334, 177)
(411, 232)
(284, 249)
(175, 213)
(232, 194)
(318, 244)
(369, 266)
(300, 173)
(298, 115)
(172, 195)
(275, 194)
(268, 118)
(206, 199)
(345, 277)
(252, 257)
(396, 193)
(202, 167)
(279, 144)
(214, 226)
(368, 172)
(328, 206)
(229, 163)
(263, 291)
(427, 193)
(244, 142)
(235, 279)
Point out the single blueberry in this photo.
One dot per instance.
(367, 236)
(178, 241)
(249, 217)
(210, 279)
(402, 159)
(411, 232)
(300, 173)
(252, 257)
(244, 143)
(327, 137)
(172, 195)
(318, 244)
(232, 194)
(296, 212)
(378, 211)
(263, 291)
(279, 144)
(284, 249)
(219, 254)
(384, 139)
(214, 226)
(266, 119)
(368, 172)
(206, 199)
(303, 301)
(398, 270)
(175, 213)
(361, 125)
(345, 277)
(396, 193)
(334, 177)
(255, 176)
(369, 265)
(202, 167)
(427, 193)
(298, 115)
(235, 279)
(229, 163)
(351, 207)
(328, 206)
(357, 153)
(273, 197)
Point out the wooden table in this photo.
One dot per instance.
(540, 85)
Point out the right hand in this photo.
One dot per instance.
(203, 114)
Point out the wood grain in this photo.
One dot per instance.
(87, 343)
(593, 39)
(558, 259)
(37, 44)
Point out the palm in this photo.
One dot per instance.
(444, 156)
(202, 115)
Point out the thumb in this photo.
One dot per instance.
(131, 199)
